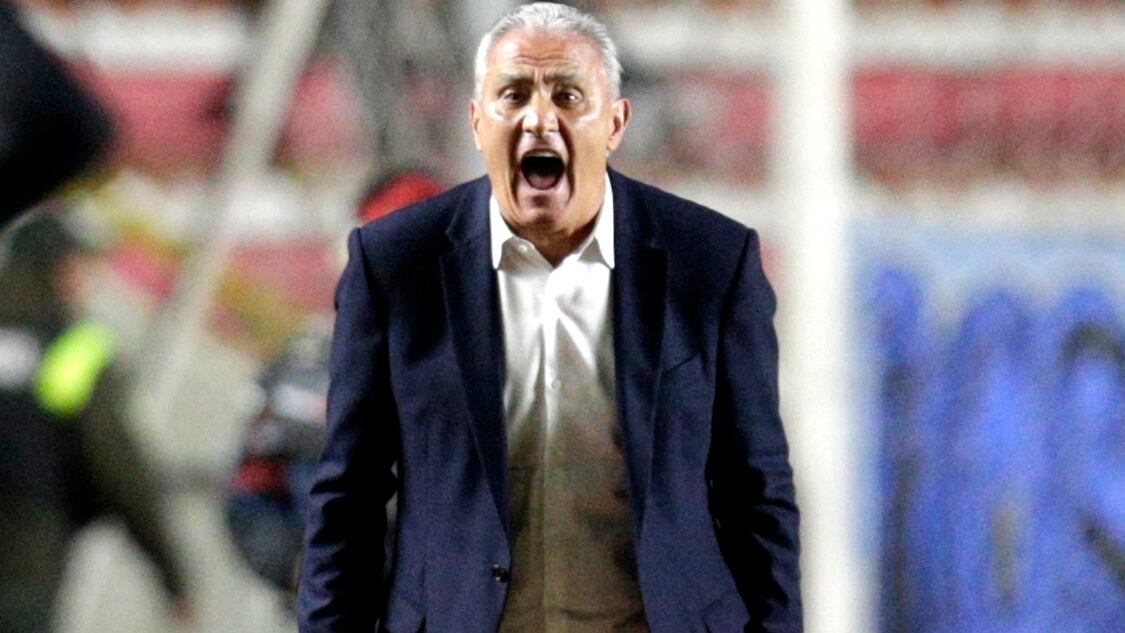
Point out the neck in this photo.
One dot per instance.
(555, 248)
(556, 245)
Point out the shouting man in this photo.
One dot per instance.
(568, 377)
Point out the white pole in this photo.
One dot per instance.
(285, 39)
(814, 196)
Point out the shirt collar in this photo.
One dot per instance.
(601, 236)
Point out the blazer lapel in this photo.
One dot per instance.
(473, 316)
(640, 280)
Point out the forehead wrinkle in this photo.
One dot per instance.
(523, 53)
(508, 78)
(554, 63)
(516, 49)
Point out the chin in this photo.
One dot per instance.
(545, 215)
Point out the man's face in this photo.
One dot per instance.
(545, 123)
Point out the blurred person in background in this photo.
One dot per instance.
(50, 129)
(568, 377)
(268, 498)
(66, 454)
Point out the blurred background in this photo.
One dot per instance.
(940, 190)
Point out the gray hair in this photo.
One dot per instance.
(556, 18)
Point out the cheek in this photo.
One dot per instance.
(495, 129)
(591, 142)
(497, 114)
(493, 144)
(593, 115)
(592, 129)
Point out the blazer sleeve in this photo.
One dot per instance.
(341, 574)
(752, 494)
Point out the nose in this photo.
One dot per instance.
(540, 117)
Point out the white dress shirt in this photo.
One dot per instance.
(573, 562)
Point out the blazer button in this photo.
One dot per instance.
(501, 574)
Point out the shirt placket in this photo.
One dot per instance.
(554, 503)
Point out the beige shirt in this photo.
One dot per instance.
(573, 563)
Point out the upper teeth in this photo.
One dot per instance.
(541, 153)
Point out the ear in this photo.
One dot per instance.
(474, 121)
(622, 110)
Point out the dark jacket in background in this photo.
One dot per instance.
(50, 129)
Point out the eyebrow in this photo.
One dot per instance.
(563, 77)
(507, 79)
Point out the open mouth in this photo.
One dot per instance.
(542, 169)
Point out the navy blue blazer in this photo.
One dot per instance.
(415, 407)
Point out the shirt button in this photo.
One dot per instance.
(522, 248)
(501, 574)
(556, 384)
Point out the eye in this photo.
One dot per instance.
(568, 97)
(511, 96)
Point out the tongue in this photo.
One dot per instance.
(542, 173)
